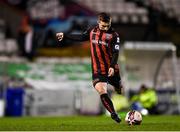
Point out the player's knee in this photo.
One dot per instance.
(100, 91)
(101, 88)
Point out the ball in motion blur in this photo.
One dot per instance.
(133, 117)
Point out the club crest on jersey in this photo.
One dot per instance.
(108, 36)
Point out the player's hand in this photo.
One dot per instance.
(60, 36)
(111, 72)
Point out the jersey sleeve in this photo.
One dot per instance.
(115, 49)
(78, 37)
(116, 43)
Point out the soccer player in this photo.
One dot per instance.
(105, 44)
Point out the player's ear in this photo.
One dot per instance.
(110, 20)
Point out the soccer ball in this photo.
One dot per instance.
(133, 117)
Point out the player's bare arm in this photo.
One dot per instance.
(116, 43)
(74, 37)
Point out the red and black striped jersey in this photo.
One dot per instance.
(104, 48)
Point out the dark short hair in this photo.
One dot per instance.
(104, 17)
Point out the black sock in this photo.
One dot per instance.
(106, 101)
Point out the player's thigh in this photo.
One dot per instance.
(98, 78)
(101, 87)
(100, 83)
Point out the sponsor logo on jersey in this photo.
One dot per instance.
(117, 47)
(99, 42)
(94, 33)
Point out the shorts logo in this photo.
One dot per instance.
(95, 81)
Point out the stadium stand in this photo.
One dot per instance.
(166, 75)
(171, 7)
(121, 11)
(131, 18)
(133, 11)
(8, 45)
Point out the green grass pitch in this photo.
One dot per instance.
(90, 123)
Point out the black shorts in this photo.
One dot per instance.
(114, 80)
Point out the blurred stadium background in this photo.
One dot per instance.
(40, 76)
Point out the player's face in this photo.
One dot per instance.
(104, 26)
